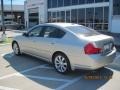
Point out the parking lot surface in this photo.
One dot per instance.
(29, 73)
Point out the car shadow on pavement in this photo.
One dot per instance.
(115, 67)
(48, 77)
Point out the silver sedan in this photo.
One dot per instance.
(67, 46)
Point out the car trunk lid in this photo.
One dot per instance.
(106, 43)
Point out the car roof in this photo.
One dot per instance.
(62, 24)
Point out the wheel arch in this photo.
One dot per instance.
(60, 52)
(57, 52)
(14, 41)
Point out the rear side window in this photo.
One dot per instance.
(82, 30)
(53, 32)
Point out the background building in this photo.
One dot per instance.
(97, 14)
(17, 14)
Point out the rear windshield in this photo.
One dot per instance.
(77, 29)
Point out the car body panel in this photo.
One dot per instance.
(72, 45)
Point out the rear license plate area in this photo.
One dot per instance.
(107, 48)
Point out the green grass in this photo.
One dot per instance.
(7, 40)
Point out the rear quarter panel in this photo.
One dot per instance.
(73, 47)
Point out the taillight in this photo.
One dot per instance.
(91, 49)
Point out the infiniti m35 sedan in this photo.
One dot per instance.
(67, 46)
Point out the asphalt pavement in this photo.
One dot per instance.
(12, 33)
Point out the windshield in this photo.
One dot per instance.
(77, 29)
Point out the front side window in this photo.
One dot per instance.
(52, 32)
(35, 32)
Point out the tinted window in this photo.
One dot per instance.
(35, 32)
(99, 1)
(49, 3)
(62, 16)
(49, 17)
(67, 2)
(68, 16)
(33, 17)
(81, 1)
(106, 0)
(99, 15)
(106, 14)
(54, 16)
(58, 17)
(116, 7)
(89, 15)
(74, 16)
(105, 27)
(75, 2)
(54, 3)
(81, 16)
(82, 30)
(98, 26)
(60, 3)
(52, 32)
(89, 1)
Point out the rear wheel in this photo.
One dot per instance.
(16, 48)
(61, 63)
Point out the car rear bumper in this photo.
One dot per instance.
(102, 61)
(97, 61)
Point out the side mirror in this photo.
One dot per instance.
(25, 34)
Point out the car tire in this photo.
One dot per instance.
(61, 63)
(16, 48)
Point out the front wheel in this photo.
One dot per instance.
(16, 48)
(61, 63)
